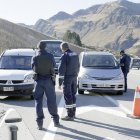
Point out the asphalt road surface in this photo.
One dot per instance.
(99, 116)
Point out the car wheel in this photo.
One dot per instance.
(120, 93)
(80, 91)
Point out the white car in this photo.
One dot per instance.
(16, 75)
(100, 71)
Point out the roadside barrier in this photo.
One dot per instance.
(136, 105)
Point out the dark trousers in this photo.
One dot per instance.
(69, 90)
(125, 81)
(45, 86)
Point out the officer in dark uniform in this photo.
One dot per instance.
(125, 64)
(43, 66)
(68, 71)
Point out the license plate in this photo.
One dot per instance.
(8, 88)
(103, 85)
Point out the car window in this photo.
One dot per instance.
(16, 62)
(104, 61)
(54, 48)
(136, 61)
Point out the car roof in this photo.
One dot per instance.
(51, 41)
(97, 53)
(20, 52)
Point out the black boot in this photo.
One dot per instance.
(67, 118)
(74, 112)
(40, 125)
(70, 116)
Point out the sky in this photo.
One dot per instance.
(29, 11)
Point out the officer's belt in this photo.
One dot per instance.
(44, 76)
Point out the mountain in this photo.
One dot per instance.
(16, 36)
(60, 16)
(113, 25)
(19, 36)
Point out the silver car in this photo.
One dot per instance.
(100, 71)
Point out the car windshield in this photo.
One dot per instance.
(99, 61)
(136, 61)
(54, 48)
(16, 62)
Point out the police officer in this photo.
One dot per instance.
(125, 64)
(43, 65)
(68, 71)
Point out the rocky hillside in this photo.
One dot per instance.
(114, 25)
(16, 36)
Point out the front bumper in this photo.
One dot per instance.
(16, 90)
(100, 85)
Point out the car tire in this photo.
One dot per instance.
(80, 91)
(120, 93)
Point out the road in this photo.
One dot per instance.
(99, 116)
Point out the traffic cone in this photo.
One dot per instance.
(136, 103)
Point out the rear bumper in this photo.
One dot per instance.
(17, 90)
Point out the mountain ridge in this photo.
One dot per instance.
(113, 25)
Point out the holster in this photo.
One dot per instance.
(53, 79)
(35, 76)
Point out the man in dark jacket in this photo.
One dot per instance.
(68, 72)
(43, 66)
(125, 64)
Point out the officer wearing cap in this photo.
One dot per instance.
(43, 66)
(68, 71)
(125, 65)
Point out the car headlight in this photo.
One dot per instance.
(85, 76)
(29, 79)
(119, 77)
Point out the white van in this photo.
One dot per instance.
(16, 75)
(100, 71)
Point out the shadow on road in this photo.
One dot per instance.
(121, 130)
(82, 135)
(23, 101)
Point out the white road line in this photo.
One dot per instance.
(7, 113)
(127, 111)
(118, 104)
(50, 134)
(108, 138)
(113, 112)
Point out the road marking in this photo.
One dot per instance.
(118, 104)
(108, 138)
(51, 130)
(6, 114)
(127, 111)
(85, 109)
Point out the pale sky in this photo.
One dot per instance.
(29, 11)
